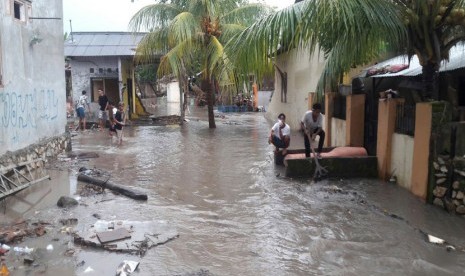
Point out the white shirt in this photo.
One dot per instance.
(82, 101)
(309, 123)
(285, 131)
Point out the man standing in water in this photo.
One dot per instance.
(280, 135)
(80, 109)
(102, 114)
(312, 126)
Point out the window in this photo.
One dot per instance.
(100, 70)
(18, 11)
(108, 70)
(91, 70)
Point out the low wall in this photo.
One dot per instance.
(449, 181)
(365, 167)
(45, 149)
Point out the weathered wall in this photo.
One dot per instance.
(303, 71)
(47, 148)
(33, 95)
(338, 132)
(402, 158)
(81, 76)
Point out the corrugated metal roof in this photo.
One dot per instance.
(80, 44)
(456, 61)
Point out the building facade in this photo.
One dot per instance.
(32, 81)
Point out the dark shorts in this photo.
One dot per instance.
(278, 142)
(80, 112)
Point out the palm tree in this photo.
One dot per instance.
(353, 32)
(192, 34)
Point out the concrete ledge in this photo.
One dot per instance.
(361, 166)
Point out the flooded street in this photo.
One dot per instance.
(235, 212)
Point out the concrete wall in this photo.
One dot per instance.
(172, 94)
(303, 71)
(338, 132)
(81, 76)
(33, 93)
(402, 159)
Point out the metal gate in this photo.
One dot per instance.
(18, 177)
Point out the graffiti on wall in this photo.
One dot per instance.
(22, 111)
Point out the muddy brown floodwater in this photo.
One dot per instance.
(234, 211)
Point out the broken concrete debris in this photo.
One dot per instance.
(142, 235)
(113, 235)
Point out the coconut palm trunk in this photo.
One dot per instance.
(211, 103)
(430, 77)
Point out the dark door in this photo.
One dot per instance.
(371, 116)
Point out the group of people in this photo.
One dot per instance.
(107, 112)
(311, 125)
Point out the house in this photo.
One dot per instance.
(399, 128)
(32, 82)
(296, 76)
(104, 60)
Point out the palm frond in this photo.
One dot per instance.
(152, 46)
(175, 61)
(246, 15)
(153, 16)
(183, 28)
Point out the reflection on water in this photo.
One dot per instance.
(220, 189)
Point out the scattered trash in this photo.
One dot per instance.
(433, 239)
(4, 270)
(5, 247)
(126, 268)
(89, 269)
(49, 247)
(26, 249)
(450, 248)
(70, 221)
(28, 260)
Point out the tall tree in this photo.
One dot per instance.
(353, 32)
(191, 34)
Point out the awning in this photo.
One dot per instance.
(400, 65)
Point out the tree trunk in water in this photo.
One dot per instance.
(211, 102)
(430, 81)
(181, 100)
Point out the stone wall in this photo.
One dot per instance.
(449, 176)
(46, 149)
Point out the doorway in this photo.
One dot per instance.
(109, 86)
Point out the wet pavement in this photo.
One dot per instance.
(234, 211)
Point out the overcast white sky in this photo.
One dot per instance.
(113, 15)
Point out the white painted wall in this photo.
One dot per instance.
(303, 71)
(33, 95)
(172, 93)
(338, 132)
(402, 159)
(264, 99)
